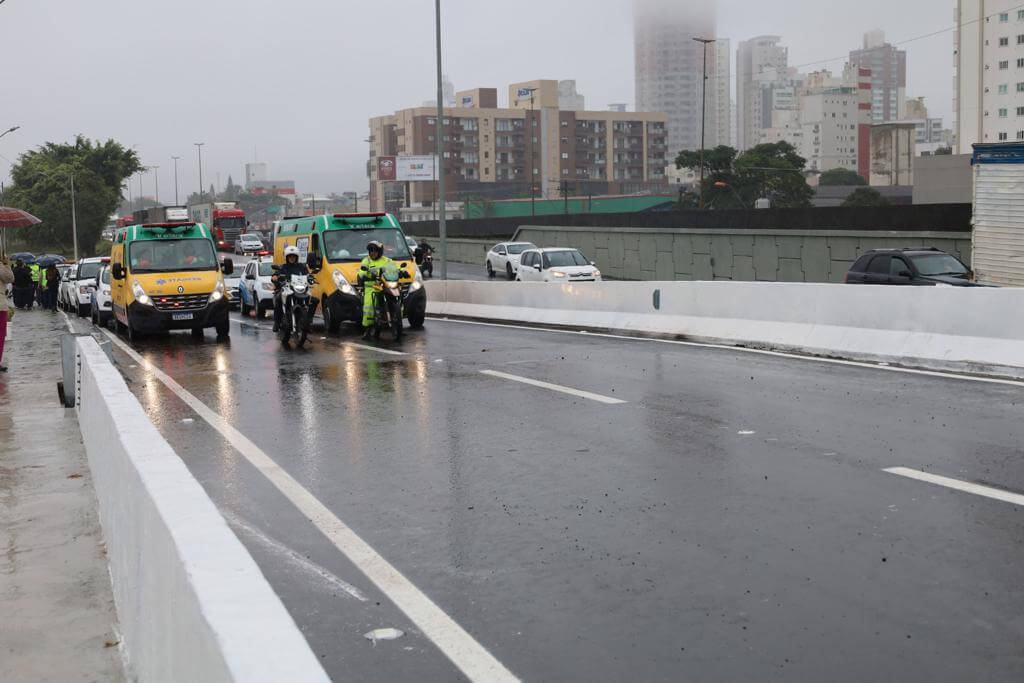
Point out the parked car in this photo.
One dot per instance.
(256, 291)
(64, 288)
(248, 243)
(81, 280)
(100, 304)
(231, 284)
(504, 257)
(556, 265)
(922, 266)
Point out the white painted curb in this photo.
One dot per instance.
(946, 328)
(192, 604)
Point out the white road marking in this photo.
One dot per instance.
(746, 432)
(460, 647)
(743, 349)
(388, 352)
(553, 387)
(303, 563)
(966, 486)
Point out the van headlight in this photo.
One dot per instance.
(140, 295)
(218, 292)
(417, 285)
(341, 283)
(418, 277)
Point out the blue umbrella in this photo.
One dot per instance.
(24, 257)
(49, 260)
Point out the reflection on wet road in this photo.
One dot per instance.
(730, 520)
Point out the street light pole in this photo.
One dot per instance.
(175, 180)
(704, 42)
(199, 149)
(156, 182)
(442, 230)
(9, 130)
(74, 217)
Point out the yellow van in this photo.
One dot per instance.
(338, 243)
(166, 276)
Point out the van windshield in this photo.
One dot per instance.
(350, 244)
(171, 255)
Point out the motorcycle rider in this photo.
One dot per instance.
(368, 272)
(291, 267)
(422, 249)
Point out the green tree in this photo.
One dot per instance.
(733, 180)
(42, 186)
(943, 151)
(717, 160)
(841, 176)
(231, 191)
(865, 196)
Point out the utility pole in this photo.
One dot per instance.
(442, 230)
(704, 42)
(175, 180)
(199, 149)
(74, 217)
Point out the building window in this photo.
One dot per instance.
(1020, 134)
(1020, 87)
(1003, 89)
(487, 170)
(1003, 136)
(1020, 111)
(1004, 17)
(430, 138)
(565, 171)
(1003, 42)
(1020, 39)
(1020, 15)
(1002, 113)
(1005, 64)
(565, 155)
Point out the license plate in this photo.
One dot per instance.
(181, 316)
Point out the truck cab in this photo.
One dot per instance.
(337, 243)
(166, 276)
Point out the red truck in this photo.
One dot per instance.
(224, 219)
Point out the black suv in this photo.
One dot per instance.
(910, 266)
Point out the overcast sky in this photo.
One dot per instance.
(293, 82)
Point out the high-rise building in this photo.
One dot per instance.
(989, 73)
(888, 66)
(722, 81)
(493, 153)
(670, 69)
(762, 65)
(568, 98)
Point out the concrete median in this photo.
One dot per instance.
(191, 602)
(978, 330)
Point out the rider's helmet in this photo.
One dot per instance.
(375, 246)
(291, 251)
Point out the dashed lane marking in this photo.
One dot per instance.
(468, 655)
(965, 486)
(554, 387)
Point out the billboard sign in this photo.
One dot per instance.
(416, 168)
(385, 168)
(467, 102)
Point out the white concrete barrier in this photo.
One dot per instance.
(191, 602)
(949, 328)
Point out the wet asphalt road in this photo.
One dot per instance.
(729, 521)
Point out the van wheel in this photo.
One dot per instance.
(416, 319)
(132, 335)
(197, 333)
(331, 324)
(224, 326)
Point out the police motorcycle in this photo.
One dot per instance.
(297, 304)
(388, 297)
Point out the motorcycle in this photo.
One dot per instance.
(388, 298)
(428, 264)
(298, 306)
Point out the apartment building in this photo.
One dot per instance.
(670, 71)
(988, 73)
(762, 65)
(531, 146)
(888, 65)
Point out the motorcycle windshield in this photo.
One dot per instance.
(389, 273)
(299, 281)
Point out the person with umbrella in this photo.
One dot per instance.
(6, 278)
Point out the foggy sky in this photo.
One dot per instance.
(293, 82)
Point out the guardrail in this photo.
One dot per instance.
(977, 330)
(191, 602)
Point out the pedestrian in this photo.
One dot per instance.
(23, 285)
(52, 279)
(6, 310)
(37, 292)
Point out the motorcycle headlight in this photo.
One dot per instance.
(417, 285)
(140, 295)
(218, 292)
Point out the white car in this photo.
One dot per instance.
(556, 265)
(504, 257)
(248, 243)
(231, 284)
(101, 305)
(64, 288)
(256, 291)
(81, 281)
